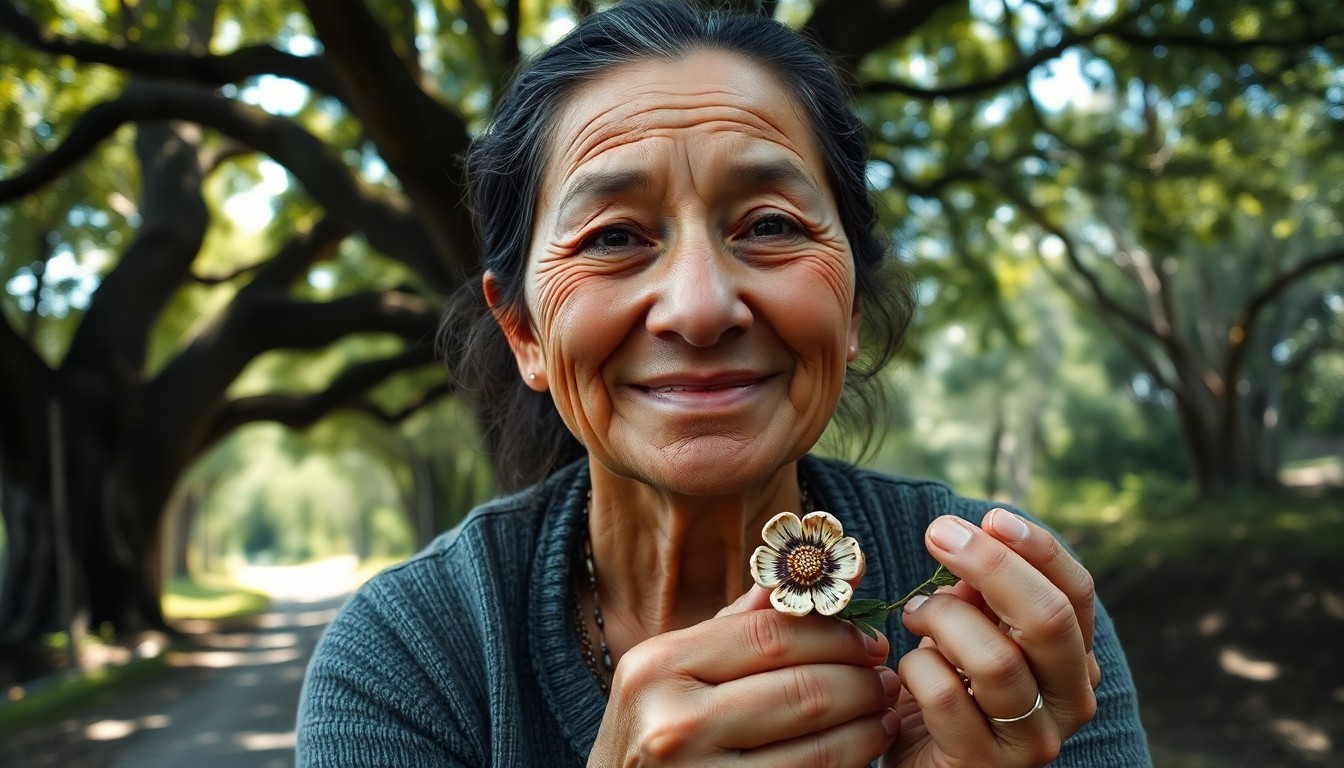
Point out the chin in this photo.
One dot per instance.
(708, 466)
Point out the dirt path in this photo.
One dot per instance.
(231, 703)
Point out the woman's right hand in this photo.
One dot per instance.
(753, 686)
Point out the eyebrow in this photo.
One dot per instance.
(770, 173)
(606, 185)
(601, 185)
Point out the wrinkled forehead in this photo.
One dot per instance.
(705, 93)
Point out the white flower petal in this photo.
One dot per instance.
(792, 599)
(783, 531)
(767, 567)
(843, 559)
(831, 595)
(821, 528)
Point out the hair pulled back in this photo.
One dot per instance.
(521, 428)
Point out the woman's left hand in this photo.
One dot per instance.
(1016, 630)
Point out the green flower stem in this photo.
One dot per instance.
(870, 615)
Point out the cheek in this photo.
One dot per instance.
(816, 306)
(582, 320)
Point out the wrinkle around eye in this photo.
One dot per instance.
(555, 286)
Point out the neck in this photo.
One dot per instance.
(666, 560)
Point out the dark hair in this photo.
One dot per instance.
(521, 428)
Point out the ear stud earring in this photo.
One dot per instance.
(531, 377)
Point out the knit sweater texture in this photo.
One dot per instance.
(467, 654)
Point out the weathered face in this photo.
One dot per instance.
(689, 284)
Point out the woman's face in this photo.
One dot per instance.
(689, 286)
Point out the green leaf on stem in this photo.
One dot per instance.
(868, 615)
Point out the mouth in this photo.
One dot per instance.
(678, 384)
(670, 388)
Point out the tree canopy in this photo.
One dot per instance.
(191, 192)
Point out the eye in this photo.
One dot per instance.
(773, 225)
(611, 239)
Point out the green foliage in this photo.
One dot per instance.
(1144, 516)
(74, 692)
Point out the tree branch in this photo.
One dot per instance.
(1101, 298)
(226, 277)
(1009, 74)
(236, 66)
(1239, 334)
(1228, 46)
(1119, 29)
(426, 398)
(419, 138)
(510, 55)
(343, 392)
(479, 28)
(852, 29)
(384, 218)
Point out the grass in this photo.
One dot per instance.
(212, 597)
(1115, 527)
(77, 690)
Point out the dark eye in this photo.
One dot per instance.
(611, 239)
(772, 226)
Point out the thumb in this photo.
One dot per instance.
(753, 599)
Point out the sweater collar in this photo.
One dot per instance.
(568, 686)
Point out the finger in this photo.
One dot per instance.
(964, 591)
(1042, 550)
(797, 700)
(858, 742)
(1003, 684)
(1042, 619)
(736, 645)
(946, 710)
(753, 599)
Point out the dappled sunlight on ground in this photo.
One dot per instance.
(230, 702)
(1234, 662)
(245, 715)
(110, 730)
(1236, 654)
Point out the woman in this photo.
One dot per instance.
(680, 259)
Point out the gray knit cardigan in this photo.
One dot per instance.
(466, 654)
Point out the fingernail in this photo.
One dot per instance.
(1011, 526)
(913, 603)
(891, 722)
(891, 682)
(951, 534)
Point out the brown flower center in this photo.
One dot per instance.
(806, 564)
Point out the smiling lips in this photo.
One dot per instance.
(704, 395)
(689, 388)
(710, 384)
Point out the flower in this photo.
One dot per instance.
(806, 562)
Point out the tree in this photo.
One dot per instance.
(128, 124)
(1152, 159)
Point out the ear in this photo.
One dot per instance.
(855, 323)
(522, 340)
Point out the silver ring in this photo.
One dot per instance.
(1037, 707)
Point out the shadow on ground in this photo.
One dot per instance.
(1236, 654)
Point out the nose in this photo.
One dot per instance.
(699, 296)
